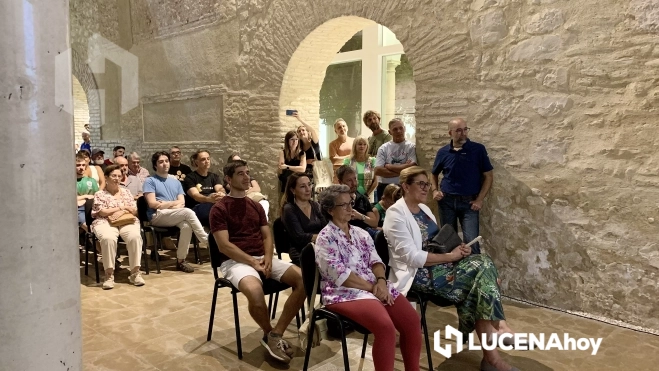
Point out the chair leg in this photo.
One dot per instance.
(195, 244)
(424, 324)
(87, 243)
(297, 320)
(274, 308)
(303, 310)
(98, 279)
(212, 316)
(145, 255)
(307, 354)
(364, 346)
(156, 244)
(344, 347)
(237, 325)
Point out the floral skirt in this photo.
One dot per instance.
(471, 284)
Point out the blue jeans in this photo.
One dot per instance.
(81, 215)
(457, 208)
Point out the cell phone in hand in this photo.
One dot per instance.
(290, 112)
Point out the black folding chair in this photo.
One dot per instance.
(160, 232)
(309, 272)
(382, 248)
(91, 239)
(270, 286)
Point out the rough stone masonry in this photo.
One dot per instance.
(564, 94)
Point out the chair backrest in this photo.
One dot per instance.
(215, 256)
(142, 207)
(382, 248)
(282, 243)
(309, 269)
(89, 204)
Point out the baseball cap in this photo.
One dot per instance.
(97, 151)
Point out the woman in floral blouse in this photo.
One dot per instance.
(353, 284)
(110, 204)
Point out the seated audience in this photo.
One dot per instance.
(391, 195)
(86, 187)
(309, 144)
(362, 211)
(203, 188)
(123, 165)
(136, 175)
(301, 215)
(98, 158)
(364, 165)
(341, 147)
(241, 230)
(176, 168)
(254, 191)
(117, 151)
(111, 206)
(353, 284)
(93, 171)
(165, 197)
(469, 281)
(291, 160)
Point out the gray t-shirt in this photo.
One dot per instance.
(395, 154)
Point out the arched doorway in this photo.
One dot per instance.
(345, 67)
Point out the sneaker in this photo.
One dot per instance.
(277, 347)
(184, 266)
(136, 279)
(108, 283)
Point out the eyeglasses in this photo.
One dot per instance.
(460, 131)
(422, 184)
(346, 206)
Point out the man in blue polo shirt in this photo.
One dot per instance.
(466, 178)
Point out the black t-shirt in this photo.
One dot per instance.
(313, 152)
(363, 206)
(204, 184)
(180, 172)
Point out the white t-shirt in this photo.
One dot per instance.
(395, 154)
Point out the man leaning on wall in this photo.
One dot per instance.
(466, 179)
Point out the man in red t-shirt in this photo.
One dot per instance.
(240, 228)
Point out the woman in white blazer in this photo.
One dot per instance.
(469, 281)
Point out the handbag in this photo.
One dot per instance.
(125, 219)
(320, 327)
(445, 241)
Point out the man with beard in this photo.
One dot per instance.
(466, 179)
(362, 212)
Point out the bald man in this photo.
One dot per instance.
(466, 179)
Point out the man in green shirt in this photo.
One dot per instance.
(375, 141)
(85, 189)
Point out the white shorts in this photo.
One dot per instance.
(234, 271)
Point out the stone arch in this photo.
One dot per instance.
(467, 62)
(85, 77)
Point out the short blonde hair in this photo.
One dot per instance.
(339, 120)
(408, 175)
(357, 141)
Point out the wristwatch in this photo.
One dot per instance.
(363, 218)
(287, 167)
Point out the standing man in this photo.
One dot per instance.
(394, 156)
(466, 178)
(117, 151)
(241, 230)
(379, 137)
(164, 195)
(176, 168)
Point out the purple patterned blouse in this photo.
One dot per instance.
(336, 257)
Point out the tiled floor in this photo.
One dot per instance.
(163, 325)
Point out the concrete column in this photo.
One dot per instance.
(40, 326)
(390, 89)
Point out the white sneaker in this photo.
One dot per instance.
(136, 279)
(108, 283)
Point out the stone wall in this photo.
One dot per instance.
(563, 94)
